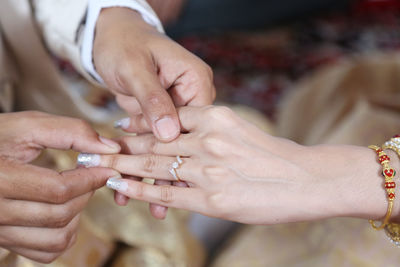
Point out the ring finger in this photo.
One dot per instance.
(148, 165)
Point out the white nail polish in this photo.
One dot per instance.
(117, 183)
(88, 160)
(122, 123)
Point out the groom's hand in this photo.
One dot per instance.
(149, 73)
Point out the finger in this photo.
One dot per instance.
(120, 199)
(129, 104)
(158, 211)
(35, 255)
(134, 124)
(188, 93)
(33, 183)
(40, 256)
(83, 180)
(148, 165)
(184, 145)
(189, 118)
(180, 184)
(155, 102)
(68, 133)
(36, 238)
(165, 195)
(37, 214)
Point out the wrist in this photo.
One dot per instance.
(113, 18)
(352, 181)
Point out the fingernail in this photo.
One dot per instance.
(88, 160)
(167, 128)
(117, 183)
(110, 143)
(122, 123)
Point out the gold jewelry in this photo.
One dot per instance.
(392, 230)
(393, 144)
(175, 165)
(388, 172)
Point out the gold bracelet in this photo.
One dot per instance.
(392, 230)
(387, 172)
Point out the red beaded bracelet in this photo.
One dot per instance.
(388, 173)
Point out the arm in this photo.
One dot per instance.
(237, 172)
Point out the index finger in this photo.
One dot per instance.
(189, 118)
(32, 183)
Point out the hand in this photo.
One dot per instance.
(148, 72)
(39, 207)
(237, 172)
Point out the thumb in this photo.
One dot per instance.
(69, 133)
(155, 102)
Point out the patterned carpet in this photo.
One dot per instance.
(256, 68)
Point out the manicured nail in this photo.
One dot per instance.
(110, 143)
(117, 183)
(122, 123)
(166, 128)
(88, 160)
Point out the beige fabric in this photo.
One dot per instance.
(353, 102)
(61, 23)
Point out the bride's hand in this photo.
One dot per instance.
(237, 172)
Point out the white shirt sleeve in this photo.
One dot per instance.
(93, 12)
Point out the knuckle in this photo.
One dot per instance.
(112, 161)
(128, 68)
(215, 145)
(139, 191)
(150, 163)
(166, 194)
(217, 203)
(155, 98)
(153, 145)
(219, 113)
(61, 216)
(121, 76)
(48, 258)
(62, 240)
(60, 193)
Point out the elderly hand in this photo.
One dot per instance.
(39, 207)
(237, 172)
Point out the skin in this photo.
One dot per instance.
(149, 73)
(239, 173)
(39, 207)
